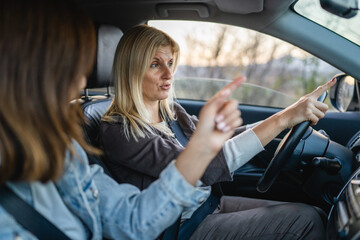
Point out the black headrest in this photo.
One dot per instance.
(107, 40)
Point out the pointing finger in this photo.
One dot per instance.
(226, 91)
(231, 87)
(321, 89)
(235, 84)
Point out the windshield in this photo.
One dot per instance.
(347, 28)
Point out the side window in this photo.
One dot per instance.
(212, 54)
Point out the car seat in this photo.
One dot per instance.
(95, 105)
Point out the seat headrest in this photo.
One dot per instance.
(108, 38)
(93, 112)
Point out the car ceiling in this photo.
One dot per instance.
(255, 14)
(273, 17)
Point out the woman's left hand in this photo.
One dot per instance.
(307, 108)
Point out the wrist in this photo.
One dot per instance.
(195, 158)
(282, 120)
(201, 146)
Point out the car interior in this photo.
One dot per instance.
(317, 165)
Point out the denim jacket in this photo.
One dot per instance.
(109, 209)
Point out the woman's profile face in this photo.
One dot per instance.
(159, 76)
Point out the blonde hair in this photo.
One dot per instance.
(46, 47)
(133, 57)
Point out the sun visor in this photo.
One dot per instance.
(201, 9)
(240, 6)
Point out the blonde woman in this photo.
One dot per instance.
(139, 143)
(45, 57)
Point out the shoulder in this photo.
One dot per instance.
(180, 112)
(186, 121)
(178, 108)
(111, 123)
(111, 120)
(10, 229)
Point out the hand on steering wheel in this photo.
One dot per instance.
(285, 149)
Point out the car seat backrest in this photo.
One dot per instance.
(94, 107)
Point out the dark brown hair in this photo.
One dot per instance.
(46, 47)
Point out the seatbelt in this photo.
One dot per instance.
(179, 133)
(28, 217)
(171, 233)
(208, 207)
(190, 225)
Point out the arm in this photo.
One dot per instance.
(251, 125)
(217, 121)
(128, 213)
(306, 108)
(218, 170)
(149, 155)
(240, 149)
(237, 151)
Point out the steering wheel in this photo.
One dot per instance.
(283, 153)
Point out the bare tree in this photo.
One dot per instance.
(224, 52)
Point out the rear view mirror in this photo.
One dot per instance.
(344, 94)
(341, 8)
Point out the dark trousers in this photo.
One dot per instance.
(248, 218)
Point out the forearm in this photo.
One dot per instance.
(251, 125)
(307, 108)
(217, 121)
(268, 129)
(195, 158)
(128, 213)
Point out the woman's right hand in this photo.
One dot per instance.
(306, 108)
(219, 117)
